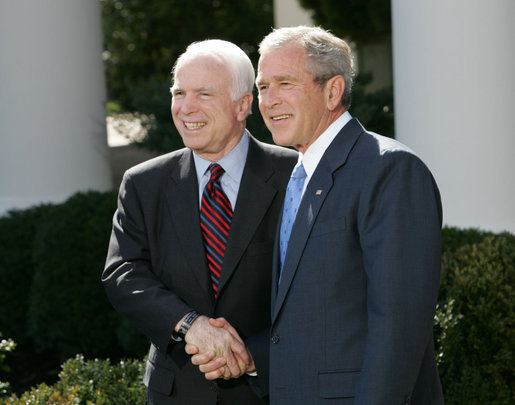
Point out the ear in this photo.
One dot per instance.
(243, 106)
(334, 88)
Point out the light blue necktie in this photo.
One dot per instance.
(291, 204)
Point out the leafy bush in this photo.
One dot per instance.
(375, 15)
(6, 346)
(91, 382)
(374, 110)
(68, 308)
(475, 319)
(17, 231)
(51, 270)
(453, 238)
(53, 303)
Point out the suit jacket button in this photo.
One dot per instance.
(275, 339)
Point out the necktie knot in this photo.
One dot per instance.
(216, 171)
(299, 172)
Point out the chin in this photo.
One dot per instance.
(192, 144)
(282, 140)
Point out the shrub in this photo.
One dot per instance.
(474, 320)
(6, 346)
(17, 231)
(52, 302)
(68, 308)
(91, 382)
(454, 238)
(65, 307)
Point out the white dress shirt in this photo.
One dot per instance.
(316, 150)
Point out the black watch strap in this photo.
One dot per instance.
(186, 324)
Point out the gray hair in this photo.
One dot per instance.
(232, 56)
(327, 55)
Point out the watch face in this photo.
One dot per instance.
(182, 331)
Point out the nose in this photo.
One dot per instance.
(186, 104)
(270, 97)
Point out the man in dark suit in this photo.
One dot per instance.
(168, 268)
(357, 263)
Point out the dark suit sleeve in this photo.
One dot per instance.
(400, 235)
(129, 277)
(259, 347)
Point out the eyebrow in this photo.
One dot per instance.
(201, 89)
(277, 79)
(196, 90)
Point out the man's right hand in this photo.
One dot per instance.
(220, 350)
(215, 366)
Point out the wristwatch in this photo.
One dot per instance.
(185, 326)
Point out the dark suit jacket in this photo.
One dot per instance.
(156, 269)
(352, 318)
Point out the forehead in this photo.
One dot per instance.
(288, 61)
(201, 71)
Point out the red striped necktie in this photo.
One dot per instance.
(215, 222)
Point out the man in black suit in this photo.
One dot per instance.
(163, 270)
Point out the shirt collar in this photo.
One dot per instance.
(316, 150)
(233, 163)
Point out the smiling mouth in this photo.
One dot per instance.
(281, 117)
(194, 125)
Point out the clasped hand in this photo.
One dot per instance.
(217, 349)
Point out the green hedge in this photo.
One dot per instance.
(68, 308)
(90, 382)
(475, 320)
(52, 261)
(54, 306)
(17, 269)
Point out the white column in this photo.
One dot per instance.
(454, 80)
(289, 13)
(52, 102)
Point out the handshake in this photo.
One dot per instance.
(217, 349)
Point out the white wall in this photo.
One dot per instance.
(454, 81)
(52, 102)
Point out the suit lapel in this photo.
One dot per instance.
(276, 264)
(316, 192)
(182, 203)
(254, 198)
